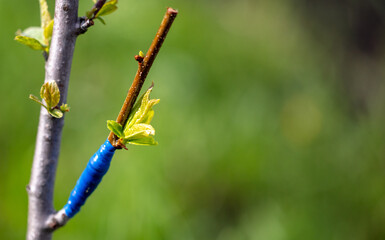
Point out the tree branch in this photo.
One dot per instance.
(58, 68)
(143, 69)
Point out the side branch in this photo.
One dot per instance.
(75, 202)
(86, 22)
(141, 74)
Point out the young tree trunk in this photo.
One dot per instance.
(58, 68)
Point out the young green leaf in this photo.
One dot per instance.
(108, 8)
(137, 130)
(50, 93)
(89, 14)
(101, 20)
(64, 108)
(141, 112)
(140, 134)
(45, 17)
(116, 128)
(30, 42)
(148, 117)
(38, 38)
(46, 23)
(34, 98)
(53, 112)
(56, 113)
(147, 141)
(34, 32)
(48, 32)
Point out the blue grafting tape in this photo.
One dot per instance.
(90, 178)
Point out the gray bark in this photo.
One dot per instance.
(58, 68)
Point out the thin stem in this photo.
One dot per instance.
(58, 68)
(88, 22)
(141, 74)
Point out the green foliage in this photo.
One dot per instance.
(116, 128)
(108, 8)
(137, 130)
(34, 32)
(48, 32)
(36, 99)
(30, 42)
(38, 38)
(64, 108)
(50, 93)
(56, 113)
(101, 20)
(140, 134)
(45, 17)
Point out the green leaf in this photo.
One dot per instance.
(139, 130)
(101, 20)
(64, 108)
(38, 38)
(148, 117)
(34, 32)
(45, 17)
(141, 112)
(48, 32)
(34, 98)
(50, 93)
(30, 42)
(108, 8)
(148, 141)
(116, 128)
(89, 14)
(56, 113)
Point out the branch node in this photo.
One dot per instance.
(84, 24)
(59, 219)
(28, 188)
(120, 145)
(139, 59)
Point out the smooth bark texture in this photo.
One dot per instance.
(58, 68)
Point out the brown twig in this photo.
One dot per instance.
(141, 74)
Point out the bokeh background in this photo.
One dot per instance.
(270, 126)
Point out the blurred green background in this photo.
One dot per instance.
(270, 125)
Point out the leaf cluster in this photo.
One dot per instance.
(137, 130)
(50, 93)
(38, 38)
